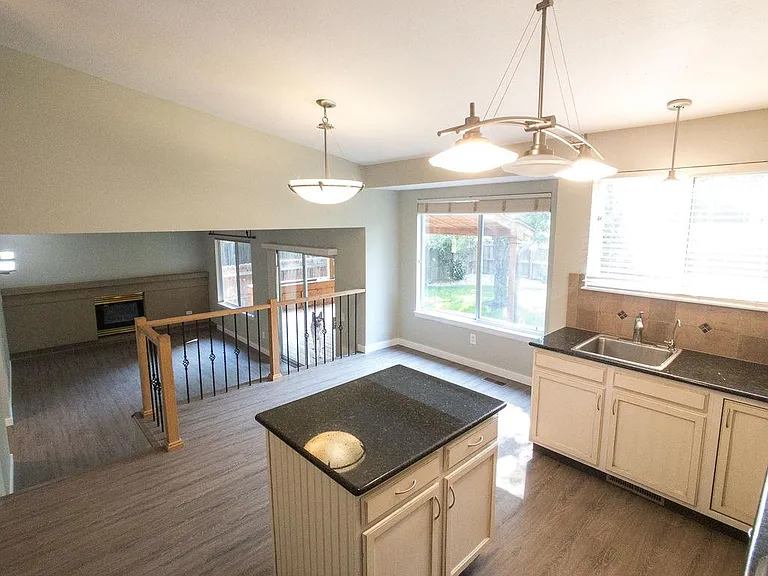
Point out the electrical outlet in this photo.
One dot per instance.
(189, 312)
(472, 338)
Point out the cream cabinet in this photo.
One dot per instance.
(656, 444)
(433, 518)
(742, 460)
(407, 541)
(469, 499)
(566, 414)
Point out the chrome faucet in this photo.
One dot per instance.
(637, 335)
(671, 342)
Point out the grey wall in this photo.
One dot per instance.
(512, 356)
(5, 407)
(64, 258)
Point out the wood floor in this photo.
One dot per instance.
(204, 509)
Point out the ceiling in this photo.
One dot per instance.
(402, 69)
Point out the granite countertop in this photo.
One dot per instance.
(399, 414)
(737, 377)
(757, 559)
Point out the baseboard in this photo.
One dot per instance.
(10, 474)
(489, 368)
(9, 421)
(375, 346)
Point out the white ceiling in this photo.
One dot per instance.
(402, 69)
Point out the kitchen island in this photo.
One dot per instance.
(389, 474)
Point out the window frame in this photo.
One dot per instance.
(595, 250)
(479, 323)
(219, 275)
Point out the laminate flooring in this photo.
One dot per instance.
(204, 509)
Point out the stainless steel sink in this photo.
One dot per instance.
(628, 352)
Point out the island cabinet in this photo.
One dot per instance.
(388, 475)
(702, 448)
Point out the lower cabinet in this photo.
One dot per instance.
(566, 415)
(742, 460)
(408, 541)
(656, 444)
(470, 501)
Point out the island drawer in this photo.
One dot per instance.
(471, 442)
(662, 390)
(407, 484)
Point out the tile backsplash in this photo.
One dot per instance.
(717, 330)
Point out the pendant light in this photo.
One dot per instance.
(325, 190)
(672, 181)
(473, 153)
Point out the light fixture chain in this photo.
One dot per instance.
(559, 82)
(528, 43)
(567, 73)
(509, 65)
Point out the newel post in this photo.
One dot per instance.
(141, 351)
(173, 440)
(274, 340)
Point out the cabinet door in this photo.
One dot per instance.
(656, 444)
(565, 415)
(470, 492)
(742, 460)
(408, 540)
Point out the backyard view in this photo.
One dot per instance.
(513, 271)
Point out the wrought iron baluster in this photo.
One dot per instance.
(212, 356)
(296, 317)
(224, 352)
(348, 330)
(258, 341)
(333, 329)
(356, 323)
(325, 331)
(159, 389)
(185, 362)
(248, 344)
(305, 311)
(151, 369)
(199, 363)
(314, 327)
(341, 327)
(237, 353)
(287, 341)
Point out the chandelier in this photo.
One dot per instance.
(474, 153)
(325, 190)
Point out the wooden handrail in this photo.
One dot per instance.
(206, 315)
(285, 303)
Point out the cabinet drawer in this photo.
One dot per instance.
(661, 390)
(563, 364)
(407, 484)
(471, 442)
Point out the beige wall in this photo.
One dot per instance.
(6, 413)
(79, 154)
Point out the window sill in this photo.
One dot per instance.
(471, 324)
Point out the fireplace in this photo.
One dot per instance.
(115, 314)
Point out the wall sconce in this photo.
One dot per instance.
(7, 262)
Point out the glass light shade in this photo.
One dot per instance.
(325, 190)
(538, 165)
(7, 255)
(472, 153)
(587, 168)
(7, 266)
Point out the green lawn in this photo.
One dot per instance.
(461, 298)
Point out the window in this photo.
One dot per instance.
(706, 240)
(486, 261)
(234, 272)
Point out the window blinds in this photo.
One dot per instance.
(489, 205)
(708, 239)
